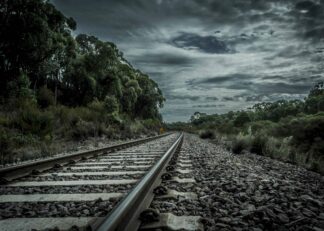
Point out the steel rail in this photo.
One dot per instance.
(13, 172)
(125, 216)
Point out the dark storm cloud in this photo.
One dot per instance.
(137, 14)
(217, 81)
(210, 106)
(117, 18)
(200, 51)
(183, 97)
(229, 98)
(270, 88)
(163, 59)
(309, 17)
(293, 79)
(313, 79)
(248, 83)
(208, 44)
(212, 98)
(292, 51)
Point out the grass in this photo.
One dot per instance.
(29, 132)
(277, 148)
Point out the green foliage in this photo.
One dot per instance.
(19, 88)
(42, 57)
(111, 104)
(152, 124)
(277, 110)
(30, 120)
(279, 149)
(239, 144)
(45, 97)
(40, 39)
(257, 144)
(207, 134)
(291, 131)
(307, 133)
(260, 125)
(54, 86)
(315, 101)
(83, 130)
(5, 145)
(241, 119)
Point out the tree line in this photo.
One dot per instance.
(289, 130)
(40, 58)
(54, 84)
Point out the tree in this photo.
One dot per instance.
(45, 97)
(241, 119)
(111, 104)
(150, 100)
(42, 30)
(315, 100)
(42, 58)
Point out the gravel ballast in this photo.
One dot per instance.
(246, 192)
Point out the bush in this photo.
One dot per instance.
(4, 120)
(257, 144)
(240, 143)
(83, 130)
(136, 127)
(242, 119)
(5, 146)
(45, 97)
(19, 139)
(111, 104)
(278, 149)
(97, 106)
(308, 133)
(33, 121)
(227, 127)
(152, 124)
(207, 134)
(262, 125)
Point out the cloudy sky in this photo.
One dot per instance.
(213, 55)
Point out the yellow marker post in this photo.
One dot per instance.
(161, 130)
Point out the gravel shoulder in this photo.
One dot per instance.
(251, 192)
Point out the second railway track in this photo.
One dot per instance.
(107, 191)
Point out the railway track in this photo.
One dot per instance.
(105, 189)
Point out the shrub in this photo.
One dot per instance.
(152, 124)
(83, 130)
(240, 143)
(20, 139)
(207, 134)
(278, 149)
(111, 104)
(86, 114)
(227, 127)
(33, 121)
(5, 146)
(258, 143)
(45, 97)
(242, 119)
(308, 133)
(72, 118)
(4, 120)
(261, 125)
(136, 127)
(97, 106)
